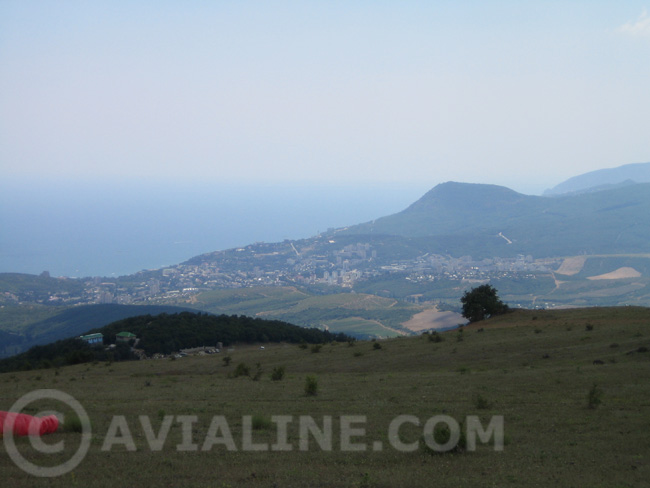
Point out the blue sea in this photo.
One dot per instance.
(94, 229)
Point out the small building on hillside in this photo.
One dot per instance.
(124, 337)
(93, 338)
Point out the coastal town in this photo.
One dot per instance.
(318, 262)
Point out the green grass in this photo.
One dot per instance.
(358, 325)
(539, 382)
(360, 314)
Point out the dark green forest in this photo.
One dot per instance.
(166, 333)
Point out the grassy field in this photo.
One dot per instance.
(360, 314)
(535, 368)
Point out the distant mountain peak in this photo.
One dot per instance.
(603, 179)
(456, 195)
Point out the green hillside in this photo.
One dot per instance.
(166, 333)
(606, 222)
(358, 314)
(570, 386)
(33, 288)
(67, 322)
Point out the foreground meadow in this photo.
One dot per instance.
(572, 386)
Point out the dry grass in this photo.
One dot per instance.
(539, 382)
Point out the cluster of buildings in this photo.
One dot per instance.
(313, 262)
(98, 338)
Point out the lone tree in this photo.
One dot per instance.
(481, 303)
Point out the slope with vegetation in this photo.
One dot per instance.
(164, 334)
(361, 315)
(48, 324)
(569, 385)
(461, 218)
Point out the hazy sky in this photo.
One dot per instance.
(524, 94)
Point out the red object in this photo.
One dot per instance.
(23, 424)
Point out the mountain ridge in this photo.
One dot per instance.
(452, 237)
(602, 179)
(610, 221)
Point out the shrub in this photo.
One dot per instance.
(316, 348)
(242, 369)
(481, 402)
(441, 435)
(258, 372)
(72, 423)
(594, 397)
(589, 327)
(365, 481)
(357, 354)
(226, 360)
(260, 422)
(278, 373)
(311, 386)
(376, 346)
(435, 337)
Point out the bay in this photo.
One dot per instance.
(79, 229)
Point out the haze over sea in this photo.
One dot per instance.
(94, 229)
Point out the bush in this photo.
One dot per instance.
(242, 369)
(258, 372)
(316, 348)
(435, 337)
(226, 360)
(72, 423)
(311, 386)
(278, 373)
(594, 397)
(260, 422)
(441, 435)
(376, 346)
(481, 402)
